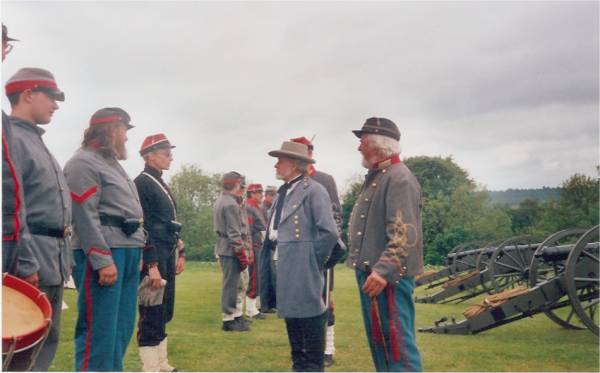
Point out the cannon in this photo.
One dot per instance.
(477, 278)
(564, 282)
(453, 267)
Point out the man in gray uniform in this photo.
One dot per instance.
(302, 234)
(233, 249)
(107, 218)
(33, 93)
(328, 182)
(385, 239)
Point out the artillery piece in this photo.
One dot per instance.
(454, 266)
(495, 266)
(564, 280)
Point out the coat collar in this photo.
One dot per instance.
(27, 125)
(295, 198)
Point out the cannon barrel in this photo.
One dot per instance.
(560, 253)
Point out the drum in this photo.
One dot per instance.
(26, 320)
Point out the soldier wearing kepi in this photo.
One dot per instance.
(107, 218)
(33, 93)
(329, 183)
(164, 255)
(15, 235)
(385, 239)
(257, 225)
(302, 233)
(233, 249)
(267, 280)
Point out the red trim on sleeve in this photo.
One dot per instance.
(79, 199)
(13, 174)
(99, 251)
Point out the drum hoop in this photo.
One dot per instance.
(28, 347)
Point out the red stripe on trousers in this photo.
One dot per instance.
(13, 174)
(395, 321)
(252, 292)
(88, 316)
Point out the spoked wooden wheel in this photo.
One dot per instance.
(509, 264)
(582, 280)
(544, 267)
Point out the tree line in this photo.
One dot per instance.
(455, 208)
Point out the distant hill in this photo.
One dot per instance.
(513, 197)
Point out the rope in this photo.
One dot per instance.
(494, 301)
(457, 280)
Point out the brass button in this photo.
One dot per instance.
(297, 230)
(294, 206)
(374, 185)
(366, 200)
(359, 233)
(297, 236)
(362, 216)
(295, 216)
(383, 171)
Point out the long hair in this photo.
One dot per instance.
(99, 136)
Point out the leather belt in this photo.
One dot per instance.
(51, 232)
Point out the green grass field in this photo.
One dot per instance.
(197, 343)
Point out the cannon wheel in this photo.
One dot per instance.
(481, 264)
(540, 271)
(582, 288)
(470, 262)
(509, 265)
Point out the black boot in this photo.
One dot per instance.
(234, 326)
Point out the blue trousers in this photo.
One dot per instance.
(106, 315)
(401, 355)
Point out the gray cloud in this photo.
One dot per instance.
(510, 89)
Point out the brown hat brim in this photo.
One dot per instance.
(284, 154)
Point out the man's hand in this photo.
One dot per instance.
(33, 279)
(180, 266)
(155, 278)
(374, 284)
(242, 258)
(107, 275)
(331, 303)
(250, 257)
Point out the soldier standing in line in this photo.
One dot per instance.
(107, 218)
(233, 249)
(385, 239)
(163, 256)
(267, 279)
(328, 182)
(270, 192)
(257, 225)
(33, 93)
(15, 236)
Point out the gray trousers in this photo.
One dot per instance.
(44, 359)
(232, 287)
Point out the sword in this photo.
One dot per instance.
(376, 321)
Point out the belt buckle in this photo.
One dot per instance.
(68, 231)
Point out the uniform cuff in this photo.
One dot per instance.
(99, 258)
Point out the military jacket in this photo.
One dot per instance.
(100, 186)
(385, 229)
(160, 209)
(256, 224)
(230, 222)
(306, 236)
(47, 204)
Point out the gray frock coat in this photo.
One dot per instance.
(306, 236)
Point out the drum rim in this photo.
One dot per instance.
(41, 301)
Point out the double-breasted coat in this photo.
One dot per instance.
(306, 236)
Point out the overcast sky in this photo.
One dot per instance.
(508, 89)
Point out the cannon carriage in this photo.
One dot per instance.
(563, 283)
